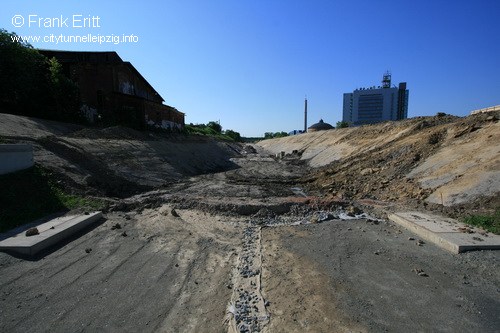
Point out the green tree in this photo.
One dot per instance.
(24, 86)
(233, 135)
(215, 126)
(280, 134)
(270, 135)
(64, 93)
(32, 85)
(342, 124)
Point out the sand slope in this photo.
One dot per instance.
(450, 160)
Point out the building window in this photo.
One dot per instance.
(370, 107)
(100, 99)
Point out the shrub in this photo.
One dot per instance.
(435, 137)
(487, 222)
(342, 124)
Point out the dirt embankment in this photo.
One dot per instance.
(248, 244)
(439, 162)
(116, 161)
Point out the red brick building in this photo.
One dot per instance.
(114, 92)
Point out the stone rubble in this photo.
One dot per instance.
(247, 307)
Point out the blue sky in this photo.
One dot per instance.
(250, 64)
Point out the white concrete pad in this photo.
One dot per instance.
(446, 233)
(15, 157)
(50, 233)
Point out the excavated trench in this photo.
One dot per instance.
(243, 234)
(264, 193)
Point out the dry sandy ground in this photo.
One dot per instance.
(354, 276)
(168, 274)
(176, 274)
(179, 274)
(231, 233)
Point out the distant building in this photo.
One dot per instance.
(295, 132)
(484, 110)
(113, 91)
(320, 126)
(376, 104)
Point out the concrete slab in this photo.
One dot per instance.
(15, 157)
(446, 233)
(51, 233)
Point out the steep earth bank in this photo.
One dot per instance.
(441, 163)
(116, 161)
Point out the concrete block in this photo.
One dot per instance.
(445, 232)
(51, 233)
(15, 157)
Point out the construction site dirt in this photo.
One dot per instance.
(201, 235)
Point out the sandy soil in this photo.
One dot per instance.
(168, 274)
(242, 250)
(428, 160)
(116, 161)
(179, 274)
(354, 276)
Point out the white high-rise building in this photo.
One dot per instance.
(376, 104)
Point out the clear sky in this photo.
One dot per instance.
(250, 63)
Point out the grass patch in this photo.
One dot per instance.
(206, 131)
(31, 194)
(489, 223)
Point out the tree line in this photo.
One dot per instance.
(213, 128)
(33, 85)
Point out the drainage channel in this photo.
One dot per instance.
(246, 311)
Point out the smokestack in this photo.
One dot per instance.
(305, 115)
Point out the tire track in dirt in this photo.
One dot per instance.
(128, 288)
(63, 287)
(31, 278)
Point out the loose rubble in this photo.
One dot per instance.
(247, 308)
(32, 232)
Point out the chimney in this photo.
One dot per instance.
(305, 115)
